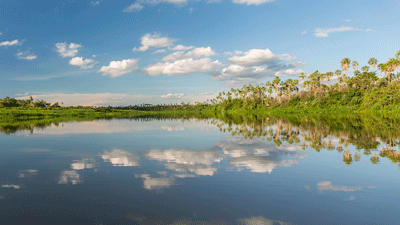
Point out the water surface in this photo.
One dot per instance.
(227, 171)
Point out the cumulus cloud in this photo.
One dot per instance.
(10, 43)
(328, 186)
(183, 67)
(289, 72)
(195, 53)
(83, 64)
(119, 68)
(154, 40)
(251, 2)
(119, 157)
(255, 65)
(136, 7)
(170, 95)
(26, 55)
(258, 57)
(181, 47)
(67, 50)
(319, 32)
(94, 3)
(160, 51)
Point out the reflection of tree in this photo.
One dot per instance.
(365, 132)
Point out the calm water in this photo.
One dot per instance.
(199, 172)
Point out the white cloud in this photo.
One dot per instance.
(95, 3)
(327, 186)
(83, 64)
(304, 32)
(136, 7)
(252, 2)
(159, 51)
(182, 67)
(119, 157)
(170, 95)
(195, 53)
(26, 55)
(10, 43)
(238, 52)
(119, 68)
(181, 47)
(155, 40)
(67, 50)
(255, 65)
(289, 72)
(319, 32)
(258, 57)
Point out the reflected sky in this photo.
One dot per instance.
(174, 172)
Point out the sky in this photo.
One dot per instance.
(107, 52)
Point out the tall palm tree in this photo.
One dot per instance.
(354, 64)
(373, 62)
(365, 69)
(381, 67)
(398, 55)
(338, 73)
(345, 63)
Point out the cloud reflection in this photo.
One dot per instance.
(27, 173)
(158, 183)
(256, 155)
(261, 221)
(69, 176)
(119, 157)
(83, 164)
(328, 186)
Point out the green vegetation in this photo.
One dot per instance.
(364, 91)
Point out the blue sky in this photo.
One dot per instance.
(129, 52)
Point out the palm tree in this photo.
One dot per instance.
(381, 67)
(373, 62)
(398, 55)
(345, 63)
(365, 69)
(302, 76)
(354, 64)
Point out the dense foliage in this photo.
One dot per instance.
(365, 90)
